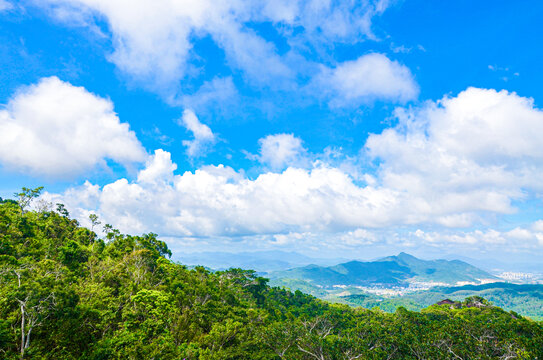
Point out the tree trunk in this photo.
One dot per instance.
(27, 342)
(22, 331)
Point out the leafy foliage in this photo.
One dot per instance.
(524, 299)
(66, 293)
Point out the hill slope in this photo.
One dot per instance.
(526, 300)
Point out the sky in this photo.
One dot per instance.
(331, 128)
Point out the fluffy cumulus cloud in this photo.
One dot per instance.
(370, 77)
(217, 200)
(460, 156)
(281, 150)
(154, 40)
(318, 208)
(56, 129)
(202, 134)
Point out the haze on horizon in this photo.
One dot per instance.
(332, 129)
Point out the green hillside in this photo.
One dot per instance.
(300, 285)
(526, 300)
(67, 293)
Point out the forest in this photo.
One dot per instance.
(71, 292)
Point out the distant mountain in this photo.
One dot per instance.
(359, 273)
(445, 271)
(390, 271)
(262, 261)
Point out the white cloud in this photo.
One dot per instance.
(154, 40)
(257, 57)
(476, 237)
(5, 5)
(158, 169)
(473, 153)
(56, 129)
(358, 237)
(519, 238)
(538, 226)
(519, 234)
(490, 127)
(340, 240)
(203, 136)
(324, 21)
(282, 10)
(216, 200)
(290, 238)
(449, 163)
(370, 77)
(214, 92)
(319, 208)
(539, 237)
(281, 150)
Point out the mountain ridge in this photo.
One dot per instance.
(397, 270)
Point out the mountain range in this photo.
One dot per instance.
(391, 271)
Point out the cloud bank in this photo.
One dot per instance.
(430, 171)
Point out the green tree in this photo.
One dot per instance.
(25, 197)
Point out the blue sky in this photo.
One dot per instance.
(346, 128)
